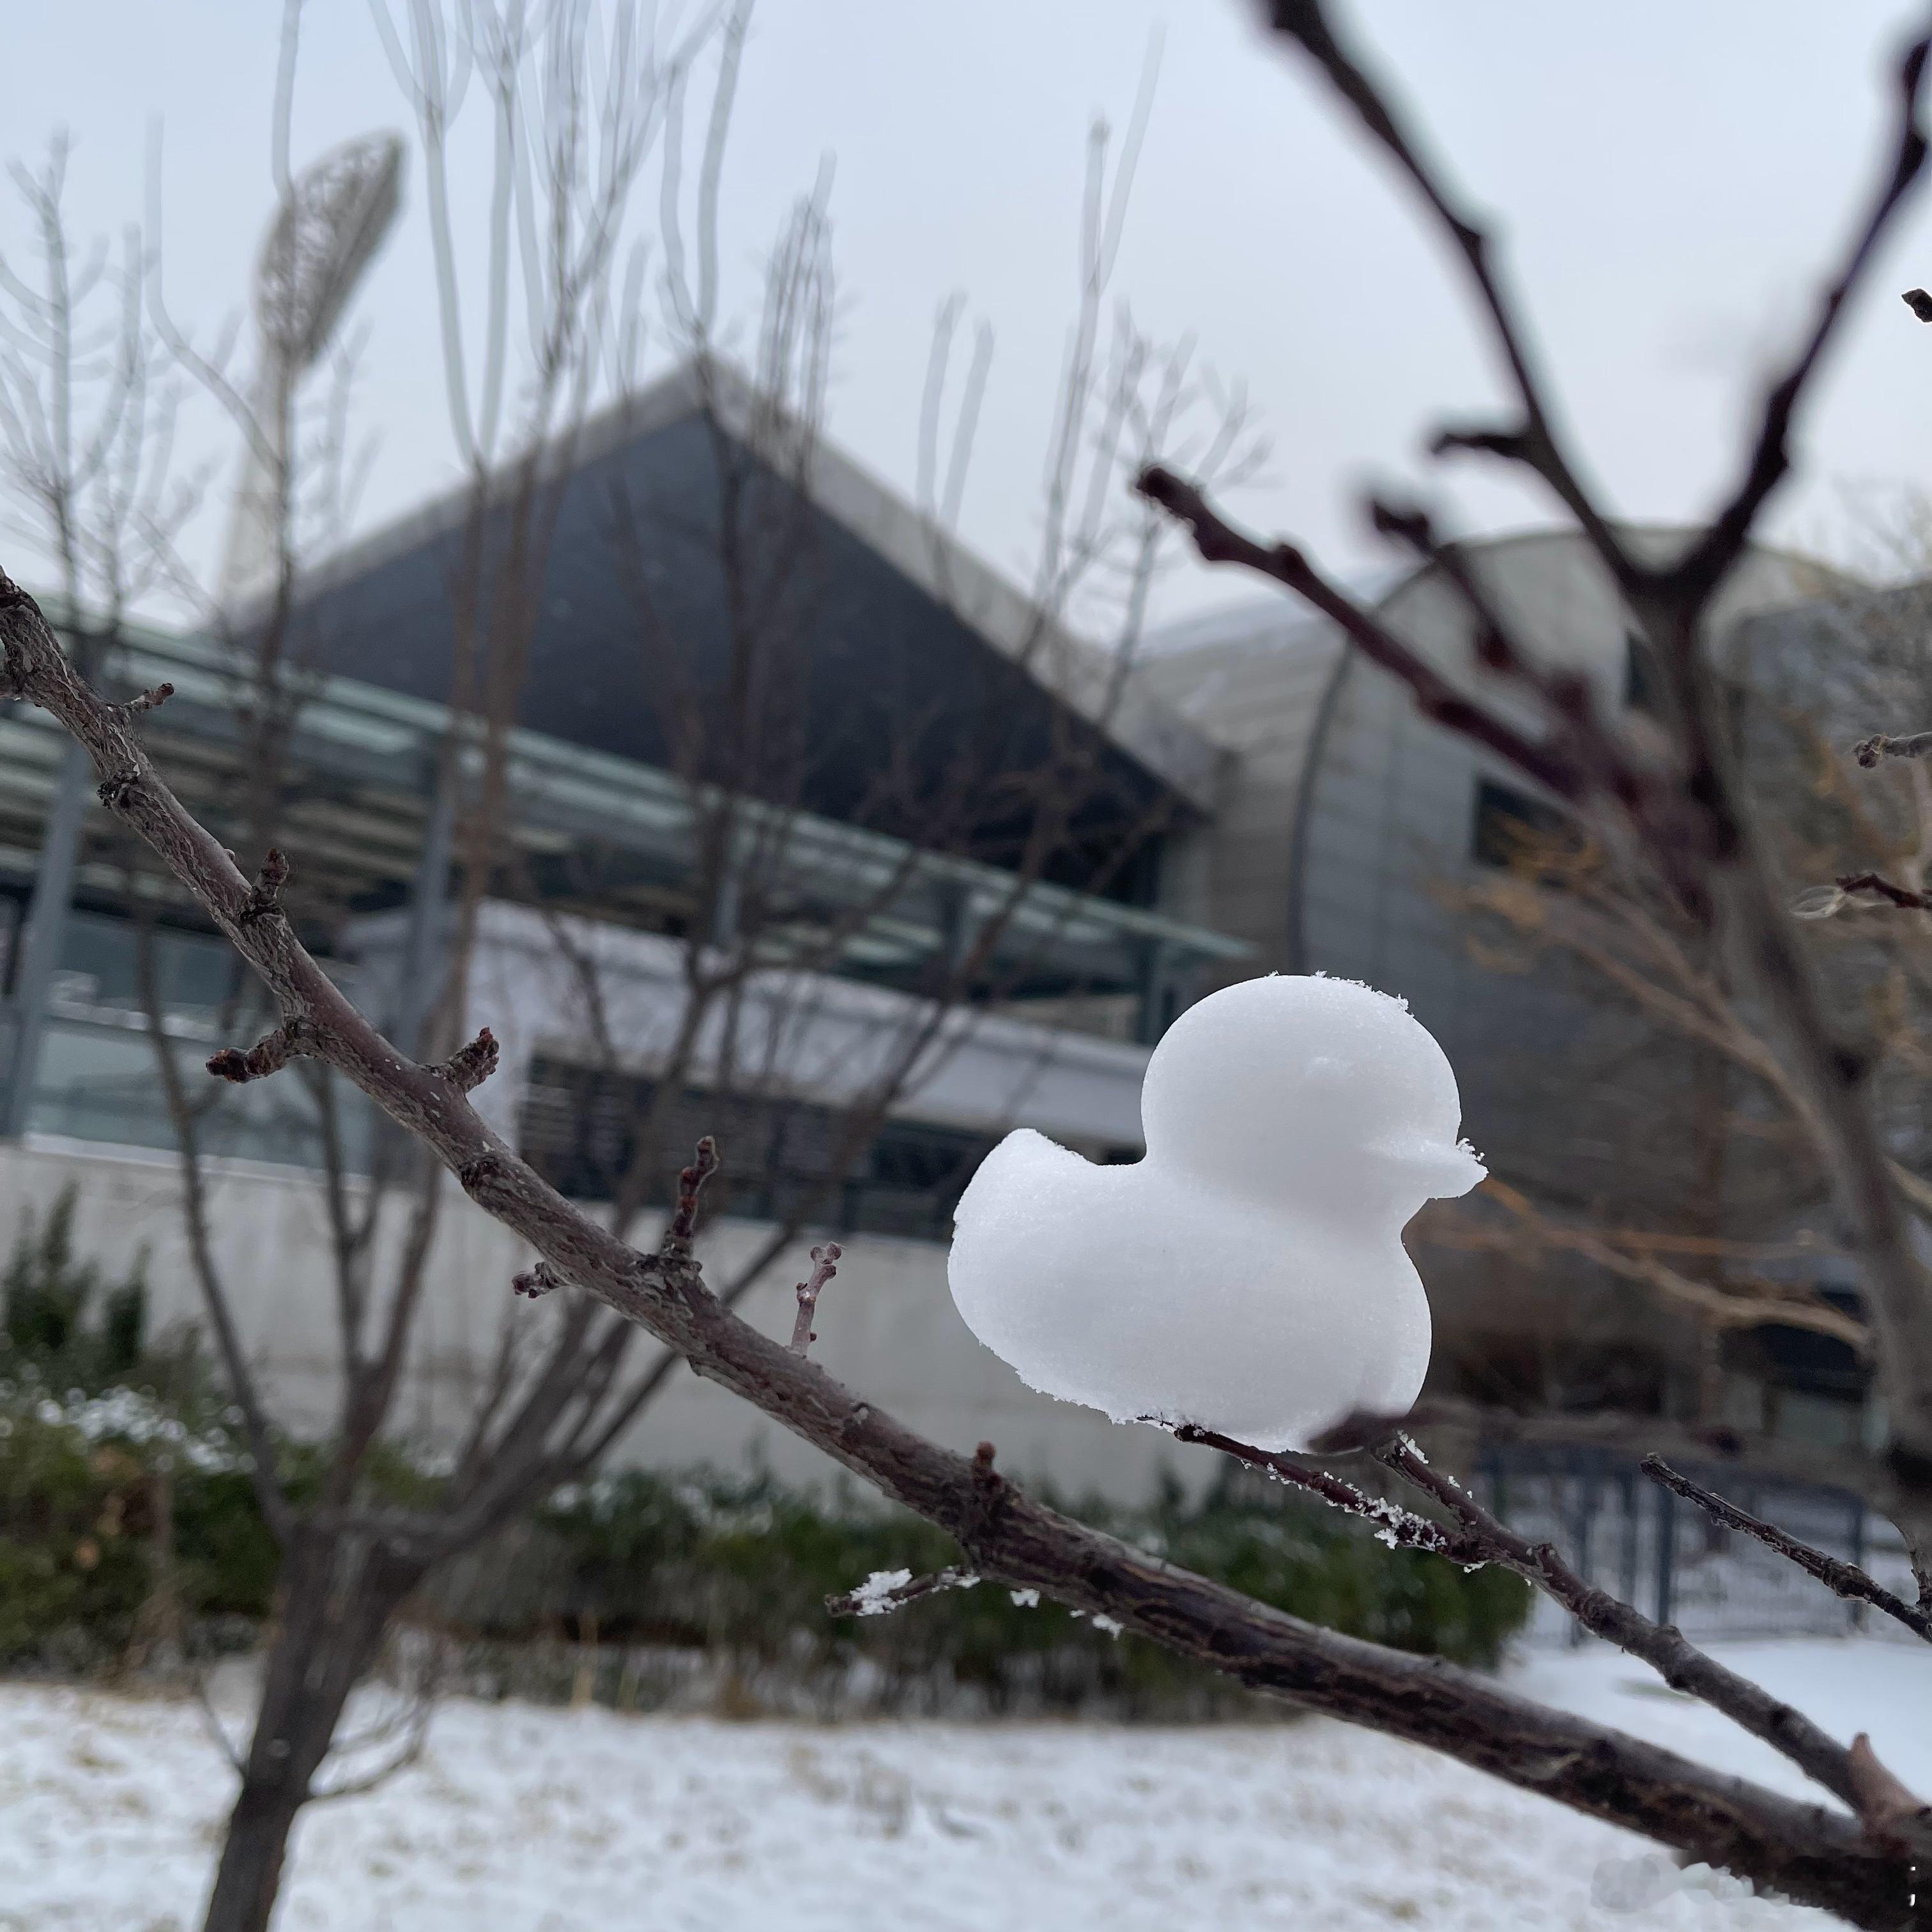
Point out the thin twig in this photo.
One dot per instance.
(1218, 541)
(1847, 1579)
(211, 1721)
(1881, 887)
(1868, 752)
(885, 1591)
(1477, 1538)
(705, 1163)
(824, 1266)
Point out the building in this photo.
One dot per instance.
(1351, 837)
(898, 855)
(1252, 799)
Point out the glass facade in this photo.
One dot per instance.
(97, 1077)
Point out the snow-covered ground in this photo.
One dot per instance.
(524, 1819)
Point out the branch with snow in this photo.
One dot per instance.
(885, 1591)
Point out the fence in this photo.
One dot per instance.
(1631, 1537)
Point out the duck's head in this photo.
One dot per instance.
(1311, 1090)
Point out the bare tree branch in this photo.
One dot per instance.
(1846, 1579)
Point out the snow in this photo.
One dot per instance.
(874, 1597)
(1247, 1275)
(523, 1819)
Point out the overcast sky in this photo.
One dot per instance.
(1670, 177)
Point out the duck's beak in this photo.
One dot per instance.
(1443, 1172)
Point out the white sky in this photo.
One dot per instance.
(1671, 178)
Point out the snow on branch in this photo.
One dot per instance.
(885, 1591)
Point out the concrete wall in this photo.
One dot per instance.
(887, 1324)
(809, 1034)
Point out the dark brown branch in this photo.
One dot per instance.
(1218, 542)
(1847, 1579)
(1534, 441)
(1881, 887)
(824, 1266)
(1476, 1537)
(1678, 1662)
(1702, 568)
(1400, 1528)
(889, 1590)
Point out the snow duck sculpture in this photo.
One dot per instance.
(1248, 1276)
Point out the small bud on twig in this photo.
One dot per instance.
(269, 1055)
(149, 700)
(468, 1066)
(825, 1261)
(264, 896)
(691, 1181)
(1919, 302)
(536, 1282)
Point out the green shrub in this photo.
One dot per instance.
(744, 1566)
(71, 1515)
(61, 1315)
(80, 1480)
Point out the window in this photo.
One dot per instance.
(582, 1129)
(1514, 832)
(96, 1077)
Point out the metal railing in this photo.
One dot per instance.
(1626, 1534)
